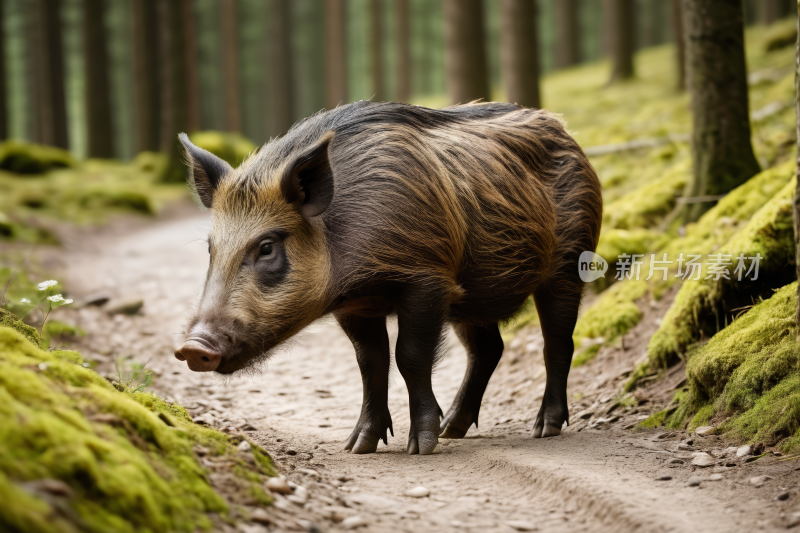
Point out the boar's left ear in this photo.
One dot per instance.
(205, 170)
(308, 178)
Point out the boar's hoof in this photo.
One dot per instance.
(424, 443)
(455, 426)
(545, 430)
(364, 443)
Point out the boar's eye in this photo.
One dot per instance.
(266, 249)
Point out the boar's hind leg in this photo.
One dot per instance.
(421, 313)
(484, 348)
(371, 342)
(557, 304)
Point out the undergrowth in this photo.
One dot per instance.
(76, 454)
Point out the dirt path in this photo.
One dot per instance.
(595, 477)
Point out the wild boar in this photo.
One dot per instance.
(438, 216)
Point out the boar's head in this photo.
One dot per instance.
(268, 273)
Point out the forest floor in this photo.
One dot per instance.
(601, 474)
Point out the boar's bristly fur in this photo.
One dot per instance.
(454, 215)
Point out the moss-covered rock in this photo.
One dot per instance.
(614, 313)
(125, 461)
(750, 372)
(231, 147)
(26, 158)
(705, 306)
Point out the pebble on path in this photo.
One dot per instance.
(276, 484)
(418, 492)
(261, 516)
(715, 477)
(353, 522)
(522, 525)
(783, 496)
(704, 430)
(244, 446)
(744, 450)
(759, 480)
(695, 481)
(663, 478)
(703, 459)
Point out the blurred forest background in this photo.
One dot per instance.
(110, 79)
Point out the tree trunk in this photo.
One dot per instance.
(146, 79)
(403, 43)
(568, 32)
(97, 88)
(722, 153)
(172, 77)
(520, 51)
(622, 27)
(280, 51)
(192, 95)
(797, 189)
(680, 44)
(335, 54)
(465, 51)
(376, 49)
(769, 11)
(230, 67)
(608, 26)
(49, 109)
(3, 77)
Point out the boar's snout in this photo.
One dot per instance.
(203, 350)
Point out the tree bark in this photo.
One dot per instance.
(280, 85)
(722, 152)
(769, 11)
(403, 43)
(146, 78)
(607, 24)
(50, 109)
(3, 78)
(622, 28)
(797, 189)
(465, 51)
(568, 32)
(520, 51)
(680, 44)
(335, 54)
(172, 77)
(192, 95)
(230, 67)
(376, 49)
(97, 83)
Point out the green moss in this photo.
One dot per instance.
(231, 147)
(703, 307)
(781, 35)
(614, 313)
(10, 320)
(646, 206)
(127, 458)
(25, 158)
(656, 420)
(615, 242)
(586, 356)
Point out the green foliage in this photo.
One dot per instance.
(614, 313)
(125, 456)
(615, 242)
(769, 234)
(25, 158)
(231, 147)
(586, 356)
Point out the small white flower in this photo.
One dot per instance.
(24, 301)
(43, 366)
(67, 301)
(56, 298)
(47, 284)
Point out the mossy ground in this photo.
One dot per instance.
(126, 459)
(41, 185)
(748, 375)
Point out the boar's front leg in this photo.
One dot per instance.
(421, 312)
(371, 341)
(484, 347)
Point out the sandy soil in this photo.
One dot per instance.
(597, 476)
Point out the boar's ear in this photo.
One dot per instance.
(205, 170)
(308, 179)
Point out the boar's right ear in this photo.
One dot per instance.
(205, 170)
(308, 179)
